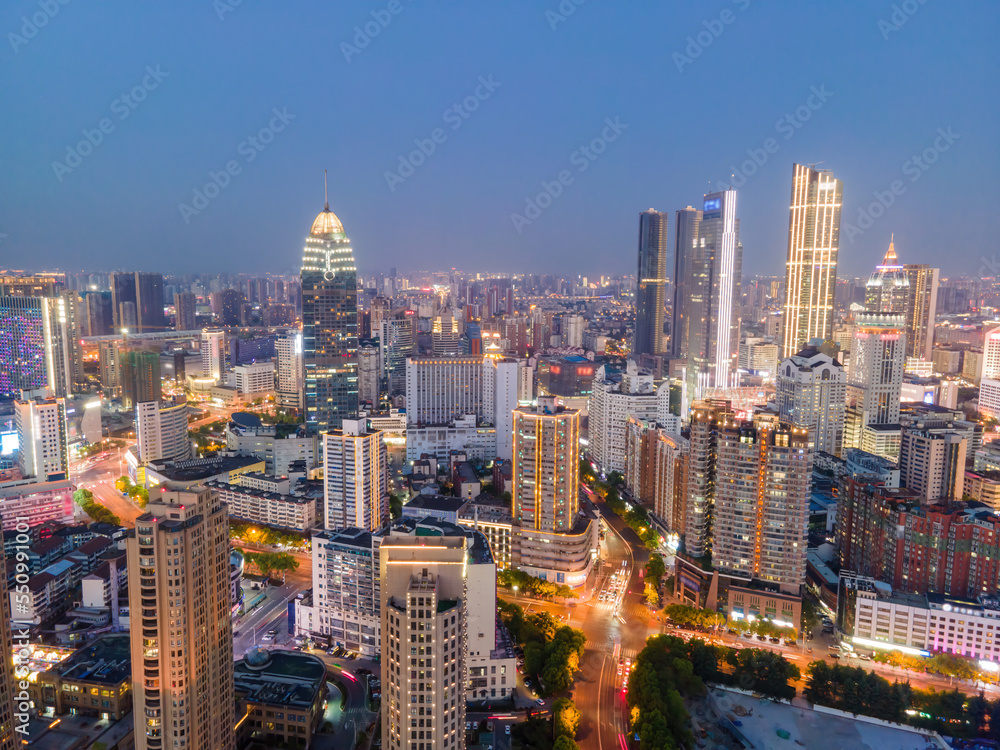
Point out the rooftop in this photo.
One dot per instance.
(442, 503)
(107, 660)
(198, 469)
(279, 678)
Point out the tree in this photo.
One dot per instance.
(563, 742)
(565, 718)
(616, 479)
(395, 506)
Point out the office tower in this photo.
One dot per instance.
(288, 351)
(685, 245)
(472, 340)
(123, 299)
(72, 330)
(762, 492)
(100, 320)
(424, 630)
(161, 431)
(36, 345)
(109, 362)
(39, 285)
(182, 632)
(446, 335)
(149, 302)
(184, 307)
(227, 305)
(921, 310)
(651, 279)
(356, 477)
(811, 393)
(139, 377)
(329, 325)
(213, 353)
(369, 371)
(875, 378)
(573, 327)
(43, 451)
(612, 402)
(707, 418)
(932, 462)
(888, 288)
(811, 268)
(715, 267)
(398, 339)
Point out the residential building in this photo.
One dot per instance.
(279, 446)
(43, 446)
(355, 477)
(289, 375)
(281, 695)
(181, 629)
(184, 311)
(921, 310)
(95, 681)
(811, 393)
(707, 417)
(875, 377)
(139, 377)
(267, 501)
(813, 244)
(161, 429)
(932, 462)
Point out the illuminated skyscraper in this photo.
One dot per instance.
(875, 378)
(139, 377)
(888, 288)
(355, 477)
(921, 310)
(811, 268)
(329, 324)
(651, 278)
(36, 345)
(288, 347)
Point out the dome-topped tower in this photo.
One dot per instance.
(888, 289)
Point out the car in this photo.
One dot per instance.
(775, 640)
(620, 667)
(834, 656)
(540, 702)
(236, 634)
(506, 729)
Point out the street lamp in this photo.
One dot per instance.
(515, 591)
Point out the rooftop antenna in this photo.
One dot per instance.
(326, 194)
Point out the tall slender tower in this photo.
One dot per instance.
(355, 484)
(182, 631)
(811, 268)
(875, 379)
(921, 310)
(329, 324)
(650, 298)
(685, 244)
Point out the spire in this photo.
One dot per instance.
(890, 254)
(326, 194)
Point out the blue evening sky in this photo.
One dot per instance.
(692, 86)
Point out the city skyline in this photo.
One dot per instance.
(923, 128)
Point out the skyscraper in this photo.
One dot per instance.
(651, 279)
(685, 244)
(714, 271)
(811, 268)
(36, 345)
(355, 477)
(42, 438)
(139, 377)
(921, 310)
(811, 392)
(875, 378)
(888, 288)
(762, 495)
(398, 338)
(424, 595)
(213, 353)
(184, 308)
(329, 324)
(100, 321)
(288, 350)
(149, 302)
(182, 632)
(123, 295)
(707, 418)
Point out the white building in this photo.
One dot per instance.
(612, 403)
(573, 327)
(161, 430)
(355, 477)
(279, 446)
(255, 380)
(213, 353)
(478, 441)
(289, 376)
(875, 380)
(369, 373)
(43, 445)
(265, 500)
(811, 393)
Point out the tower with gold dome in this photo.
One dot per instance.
(888, 289)
(329, 324)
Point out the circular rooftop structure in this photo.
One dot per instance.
(246, 419)
(326, 224)
(258, 657)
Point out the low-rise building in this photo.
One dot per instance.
(279, 445)
(95, 681)
(273, 508)
(36, 503)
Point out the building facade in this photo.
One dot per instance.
(651, 277)
(811, 392)
(355, 477)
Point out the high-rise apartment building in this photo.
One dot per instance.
(182, 633)
(139, 377)
(921, 310)
(161, 430)
(369, 371)
(398, 339)
(184, 311)
(707, 418)
(615, 399)
(762, 492)
(109, 355)
(888, 288)
(289, 379)
(651, 279)
(213, 353)
(932, 462)
(811, 268)
(355, 483)
(37, 342)
(329, 325)
(875, 377)
(714, 268)
(424, 594)
(656, 470)
(573, 327)
(811, 393)
(43, 443)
